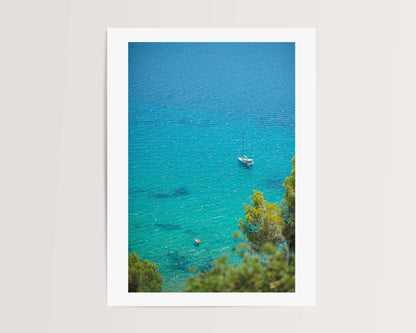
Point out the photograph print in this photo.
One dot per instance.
(212, 167)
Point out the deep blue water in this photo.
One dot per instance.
(189, 104)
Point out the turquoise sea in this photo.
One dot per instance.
(189, 104)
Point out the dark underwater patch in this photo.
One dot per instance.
(161, 195)
(206, 266)
(273, 183)
(191, 232)
(183, 267)
(180, 192)
(178, 261)
(168, 226)
(133, 193)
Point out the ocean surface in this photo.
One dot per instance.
(189, 104)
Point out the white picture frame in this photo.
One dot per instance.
(117, 167)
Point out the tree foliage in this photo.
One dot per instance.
(144, 276)
(289, 185)
(288, 209)
(270, 223)
(263, 222)
(268, 272)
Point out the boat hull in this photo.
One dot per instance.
(246, 161)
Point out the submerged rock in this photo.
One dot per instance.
(180, 192)
(168, 226)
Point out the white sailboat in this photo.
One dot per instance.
(244, 159)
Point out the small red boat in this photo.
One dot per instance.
(197, 241)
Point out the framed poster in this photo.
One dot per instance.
(206, 128)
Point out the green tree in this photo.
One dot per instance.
(288, 208)
(263, 222)
(144, 276)
(268, 272)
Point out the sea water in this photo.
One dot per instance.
(189, 104)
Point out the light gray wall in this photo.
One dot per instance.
(52, 137)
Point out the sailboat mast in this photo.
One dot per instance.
(243, 143)
(246, 161)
